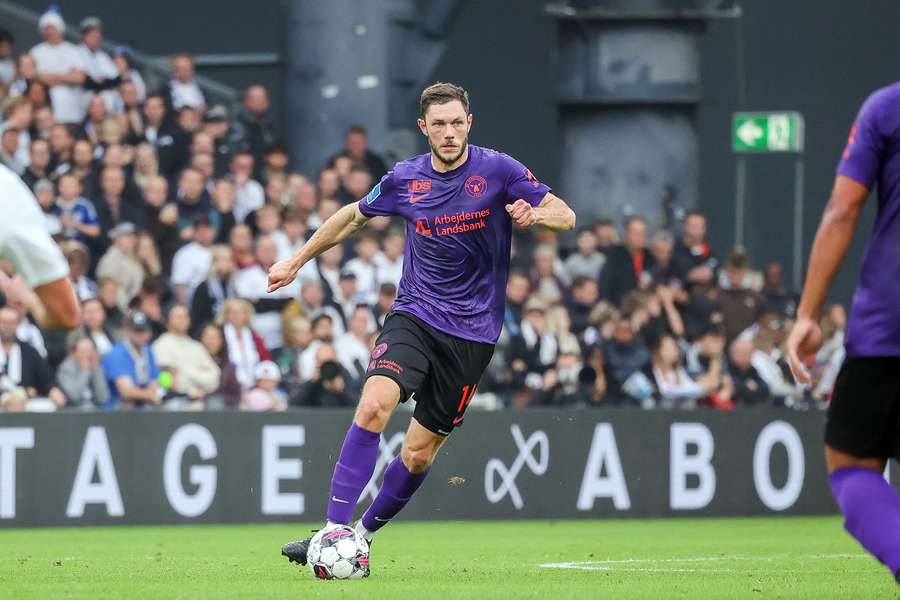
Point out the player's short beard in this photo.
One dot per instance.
(448, 161)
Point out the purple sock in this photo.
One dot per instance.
(871, 510)
(352, 472)
(397, 488)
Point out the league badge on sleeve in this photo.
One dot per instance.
(373, 195)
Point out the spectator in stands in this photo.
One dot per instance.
(389, 262)
(387, 293)
(149, 301)
(155, 129)
(265, 395)
(62, 143)
(328, 387)
(250, 283)
(21, 365)
(363, 266)
(101, 74)
(13, 401)
(628, 266)
(221, 214)
(26, 76)
(228, 395)
(693, 259)
(676, 388)
(253, 130)
(97, 112)
(831, 355)
(114, 206)
(191, 264)
(767, 359)
(192, 200)
(182, 90)
(243, 346)
(584, 296)
(124, 59)
(532, 352)
(108, 293)
(9, 155)
(241, 243)
(76, 214)
(94, 326)
(518, 289)
(120, 263)
(249, 193)
(357, 184)
(45, 193)
(627, 360)
(60, 65)
(217, 127)
(607, 236)
(587, 260)
(217, 287)
(297, 337)
(131, 369)
(663, 271)
(311, 303)
(741, 307)
(778, 299)
(79, 258)
(7, 64)
(84, 167)
(160, 219)
(195, 373)
(356, 147)
(352, 347)
(38, 162)
(80, 377)
(544, 279)
(18, 115)
(146, 165)
(749, 388)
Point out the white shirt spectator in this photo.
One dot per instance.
(99, 65)
(250, 283)
(351, 352)
(30, 333)
(68, 100)
(186, 94)
(366, 281)
(190, 266)
(388, 271)
(249, 197)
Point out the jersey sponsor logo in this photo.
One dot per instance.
(418, 189)
(379, 349)
(373, 195)
(534, 182)
(423, 227)
(476, 186)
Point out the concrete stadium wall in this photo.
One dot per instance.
(166, 468)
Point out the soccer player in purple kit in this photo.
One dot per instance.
(459, 202)
(863, 426)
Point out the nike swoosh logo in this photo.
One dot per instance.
(336, 499)
(414, 199)
(382, 520)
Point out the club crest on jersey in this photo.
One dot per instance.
(531, 178)
(379, 349)
(373, 195)
(476, 186)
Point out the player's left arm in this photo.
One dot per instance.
(552, 213)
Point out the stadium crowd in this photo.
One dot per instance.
(170, 210)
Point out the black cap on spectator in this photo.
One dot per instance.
(138, 321)
(216, 113)
(90, 23)
(329, 370)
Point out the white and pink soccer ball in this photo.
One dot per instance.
(338, 552)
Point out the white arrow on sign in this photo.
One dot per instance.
(749, 132)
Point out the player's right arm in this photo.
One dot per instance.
(857, 175)
(337, 228)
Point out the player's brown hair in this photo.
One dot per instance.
(442, 93)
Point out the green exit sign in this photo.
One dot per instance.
(767, 132)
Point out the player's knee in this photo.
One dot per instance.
(417, 460)
(374, 410)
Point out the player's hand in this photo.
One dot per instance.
(281, 274)
(522, 213)
(802, 345)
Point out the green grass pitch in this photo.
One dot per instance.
(681, 558)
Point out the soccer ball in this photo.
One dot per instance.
(337, 552)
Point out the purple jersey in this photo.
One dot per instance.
(458, 237)
(873, 156)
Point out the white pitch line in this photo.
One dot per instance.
(613, 565)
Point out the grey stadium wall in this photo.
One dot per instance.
(91, 469)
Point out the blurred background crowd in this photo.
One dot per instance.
(170, 210)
